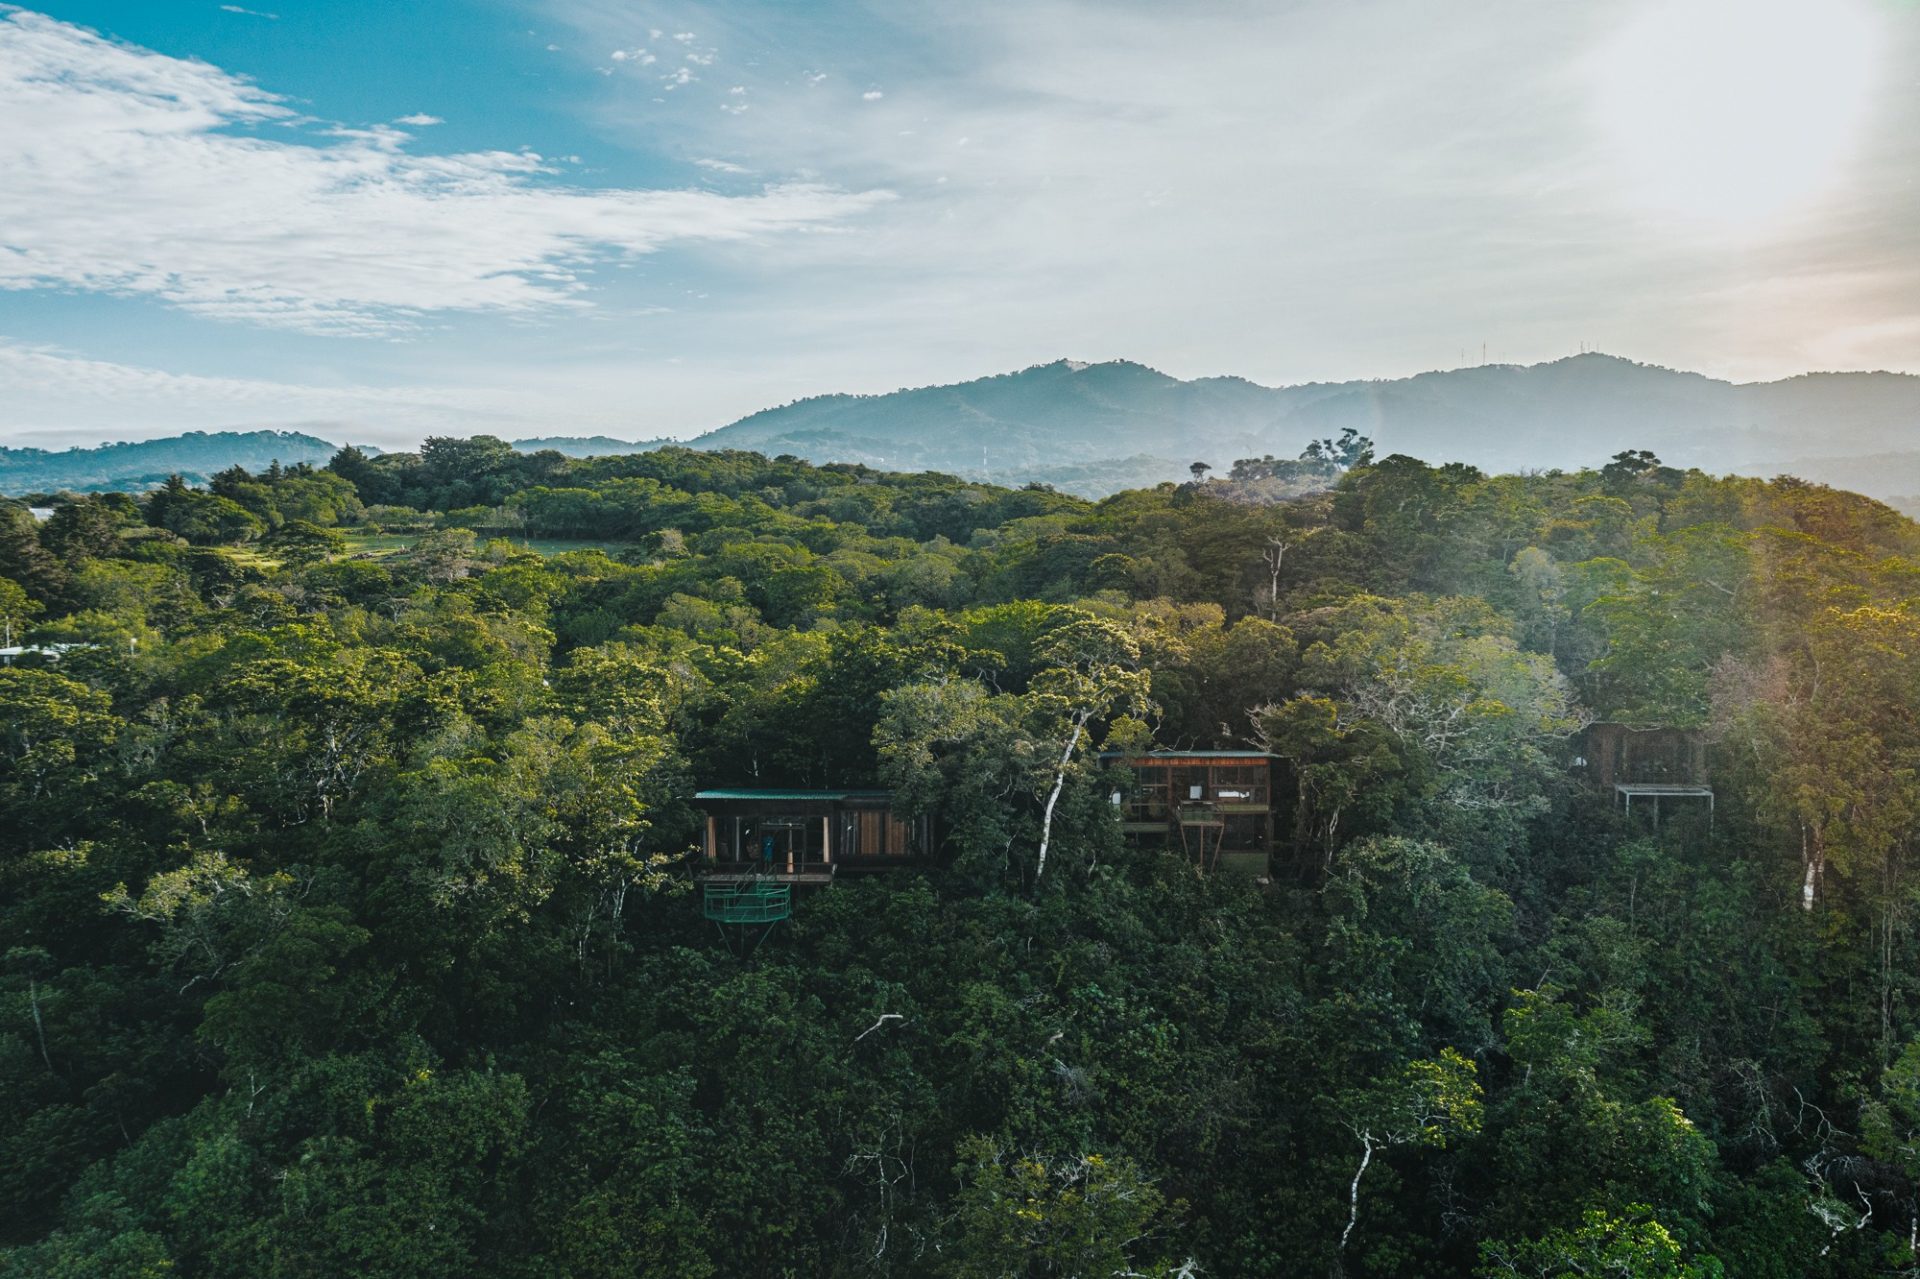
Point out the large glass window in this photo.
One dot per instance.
(779, 843)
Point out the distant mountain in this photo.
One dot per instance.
(587, 445)
(1095, 427)
(1045, 422)
(1894, 478)
(141, 464)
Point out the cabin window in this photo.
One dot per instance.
(778, 842)
(873, 832)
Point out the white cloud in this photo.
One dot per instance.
(1288, 191)
(420, 120)
(251, 13)
(57, 398)
(57, 394)
(122, 168)
(722, 166)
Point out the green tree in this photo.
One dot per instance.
(1630, 1246)
(1427, 1103)
(1027, 1215)
(17, 609)
(88, 529)
(24, 560)
(303, 542)
(1090, 672)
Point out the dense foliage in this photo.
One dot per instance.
(346, 924)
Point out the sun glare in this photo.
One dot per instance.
(1735, 112)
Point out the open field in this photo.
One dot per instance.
(381, 545)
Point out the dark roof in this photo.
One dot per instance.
(816, 796)
(1188, 755)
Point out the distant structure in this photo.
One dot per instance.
(1215, 806)
(12, 653)
(1647, 764)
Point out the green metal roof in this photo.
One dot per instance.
(817, 796)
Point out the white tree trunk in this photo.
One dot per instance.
(1053, 797)
(1814, 855)
(1353, 1194)
(39, 1028)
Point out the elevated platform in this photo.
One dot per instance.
(752, 903)
(1657, 791)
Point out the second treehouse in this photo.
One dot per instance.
(1214, 807)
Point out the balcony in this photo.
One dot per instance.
(753, 902)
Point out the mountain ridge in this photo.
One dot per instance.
(1095, 426)
(139, 464)
(1053, 417)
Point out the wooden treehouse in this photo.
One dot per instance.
(760, 843)
(804, 836)
(1216, 807)
(1647, 764)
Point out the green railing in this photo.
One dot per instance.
(752, 903)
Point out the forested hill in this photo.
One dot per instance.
(141, 464)
(1094, 429)
(346, 883)
(1091, 428)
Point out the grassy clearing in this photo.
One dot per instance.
(381, 545)
(251, 557)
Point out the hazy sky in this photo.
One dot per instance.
(379, 220)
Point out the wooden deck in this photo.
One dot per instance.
(734, 875)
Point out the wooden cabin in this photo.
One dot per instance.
(1647, 764)
(804, 836)
(1217, 807)
(1616, 754)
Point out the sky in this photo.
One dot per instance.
(378, 221)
